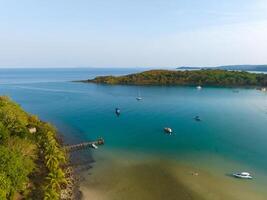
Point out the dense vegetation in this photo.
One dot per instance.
(198, 77)
(31, 159)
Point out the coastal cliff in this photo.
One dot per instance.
(199, 77)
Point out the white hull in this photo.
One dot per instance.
(168, 130)
(241, 176)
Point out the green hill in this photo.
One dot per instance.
(32, 162)
(197, 77)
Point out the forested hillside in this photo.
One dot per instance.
(32, 162)
(197, 77)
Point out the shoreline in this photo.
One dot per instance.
(79, 163)
(252, 87)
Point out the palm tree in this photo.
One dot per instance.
(52, 162)
(54, 157)
(51, 194)
(61, 156)
(56, 178)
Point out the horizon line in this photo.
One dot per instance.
(120, 67)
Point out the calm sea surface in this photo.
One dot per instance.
(232, 135)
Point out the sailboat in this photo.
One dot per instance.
(139, 98)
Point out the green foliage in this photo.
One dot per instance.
(26, 148)
(51, 194)
(54, 158)
(16, 168)
(20, 150)
(55, 178)
(197, 77)
(13, 117)
(5, 186)
(4, 133)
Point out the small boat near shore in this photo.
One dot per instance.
(168, 130)
(199, 87)
(244, 175)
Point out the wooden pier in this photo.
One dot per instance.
(84, 145)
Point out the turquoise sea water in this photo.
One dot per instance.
(233, 126)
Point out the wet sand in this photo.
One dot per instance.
(123, 177)
(141, 181)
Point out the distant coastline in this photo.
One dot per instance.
(186, 78)
(258, 68)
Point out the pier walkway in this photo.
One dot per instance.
(84, 145)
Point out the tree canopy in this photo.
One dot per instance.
(24, 155)
(194, 77)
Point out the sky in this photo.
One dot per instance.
(132, 33)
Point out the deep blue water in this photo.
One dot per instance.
(233, 126)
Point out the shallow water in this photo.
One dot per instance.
(231, 136)
(120, 175)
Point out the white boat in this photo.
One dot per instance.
(168, 130)
(199, 87)
(244, 175)
(94, 146)
(263, 89)
(139, 98)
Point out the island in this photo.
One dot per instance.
(258, 68)
(33, 162)
(186, 78)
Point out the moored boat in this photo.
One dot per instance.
(139, 98)
(244, 175)
(197, 118)
(117, 111)
(168, 130)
